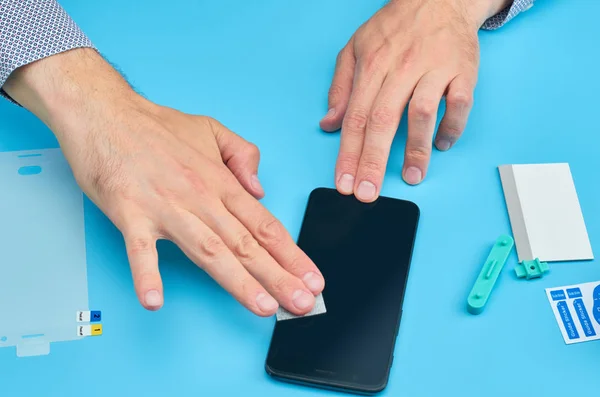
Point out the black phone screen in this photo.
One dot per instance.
(364, 253)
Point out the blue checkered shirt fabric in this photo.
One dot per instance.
(34, 29)
(517, 7)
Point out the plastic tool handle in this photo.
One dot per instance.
(489, 274)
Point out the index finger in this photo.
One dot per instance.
(273, 237)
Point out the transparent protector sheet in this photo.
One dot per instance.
(43, 272)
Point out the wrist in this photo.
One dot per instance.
(64, 88)
(481, 10)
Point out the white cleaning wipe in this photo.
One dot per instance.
(319, 308)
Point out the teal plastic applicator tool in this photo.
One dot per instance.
(489, 274)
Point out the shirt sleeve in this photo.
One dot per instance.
(498, 20)
(31, 30)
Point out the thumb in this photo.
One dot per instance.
(242, 158)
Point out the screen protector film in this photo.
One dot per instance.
(43, 274)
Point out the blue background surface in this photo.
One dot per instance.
(263, 68)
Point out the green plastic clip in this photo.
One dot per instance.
(489, 274)
(531, 269)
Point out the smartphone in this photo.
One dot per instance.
(364, 253)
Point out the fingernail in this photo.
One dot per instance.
(302, 299)
(346, 183)
(413, 175)
(443, 144)
(330, 113)
(314, 282)
(153, 298)
(255, 183)
(366, 191)
(266, 303)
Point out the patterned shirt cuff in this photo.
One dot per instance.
(507, 14)
(33, 30)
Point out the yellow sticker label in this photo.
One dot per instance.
(96, 329)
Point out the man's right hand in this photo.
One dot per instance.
(161, 174)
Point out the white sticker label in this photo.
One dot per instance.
(84, 330)
(83, 317)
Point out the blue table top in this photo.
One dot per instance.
(263, 69)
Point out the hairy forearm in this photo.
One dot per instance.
(60, 88)
(474, 12)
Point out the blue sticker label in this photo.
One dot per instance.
(574, 293)
(558, 295)
(596, 309)
(596, 293)
(567, 320)
(584, 319)
(95, 316)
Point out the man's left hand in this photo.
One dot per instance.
(410, 53)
